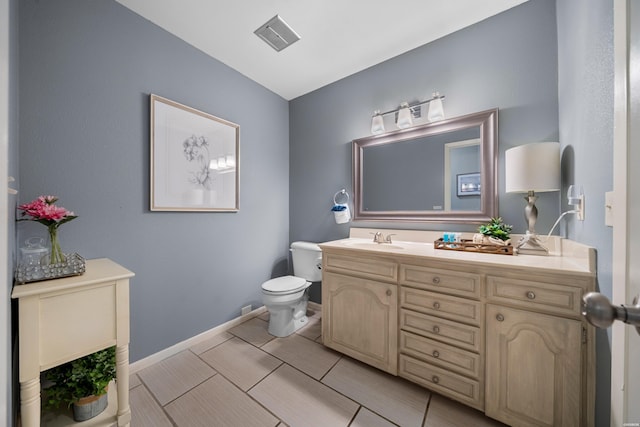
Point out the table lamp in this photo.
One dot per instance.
(529, 169)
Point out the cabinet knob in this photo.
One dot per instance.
(436, 305)
(499, 317)
(436, 353)
(531, 295)
(435, 379)
(389, 292)
(436, 280)
(436, 329)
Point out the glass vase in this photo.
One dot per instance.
(55, 256)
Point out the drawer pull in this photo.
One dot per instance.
(436, 353)
(436, 329)
(435, 379)
(436, 305)
(531, 295)
(499, 317)
(436, 280)
(389, 292)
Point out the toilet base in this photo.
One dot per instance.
(286, 319)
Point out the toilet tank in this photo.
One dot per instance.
(307, 261)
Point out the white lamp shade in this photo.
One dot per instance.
(532, 167)
(436, 110)
(377, 124)
(404, 117)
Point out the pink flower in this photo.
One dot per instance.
(44, 211)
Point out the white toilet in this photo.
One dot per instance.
(286, 297)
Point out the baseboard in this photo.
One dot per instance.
(139, 365)
(314, 306)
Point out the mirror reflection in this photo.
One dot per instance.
(442, 171)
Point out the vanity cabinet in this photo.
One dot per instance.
(536, 352)
(441, 331)
(502, 334)
(360, 309)
(533, 368)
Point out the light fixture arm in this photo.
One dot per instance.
(412, 107)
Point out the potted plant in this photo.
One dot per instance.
(82, 384)
(496, 232)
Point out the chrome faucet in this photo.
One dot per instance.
(379, 237)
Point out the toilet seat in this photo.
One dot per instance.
(284, 285)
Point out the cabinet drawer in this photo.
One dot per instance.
(443, 355)
(549, 297)
(447, 383)
(373, 268)
(449, 307)
(443, 330)
(450, 282)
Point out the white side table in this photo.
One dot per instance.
(64, 319)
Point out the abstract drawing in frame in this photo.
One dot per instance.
(194, 159)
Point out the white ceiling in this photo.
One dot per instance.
(338, 37)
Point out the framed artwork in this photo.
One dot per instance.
(468, 184)
(194, 159)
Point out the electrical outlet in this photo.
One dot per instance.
(581, 208)
(246, 309)
(608, 208)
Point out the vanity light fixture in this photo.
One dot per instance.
(407, 112)
(404, 116)
(436, 110)
(377, 123)
(529, 169)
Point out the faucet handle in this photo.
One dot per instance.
(377, 237)
(388, 238)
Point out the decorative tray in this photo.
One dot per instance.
(74, 265)
(467, 245)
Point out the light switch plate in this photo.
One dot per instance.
(608, 208)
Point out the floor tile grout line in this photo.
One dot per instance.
(340, 357)
(215, 372)
(355, 415)
(283, 362)
(426, 410)
(155, 399)
(246, 393)
(211, 348)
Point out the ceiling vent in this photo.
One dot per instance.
(277, 34)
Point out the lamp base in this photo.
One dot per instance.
(530, 244)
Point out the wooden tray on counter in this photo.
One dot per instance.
(467, 245)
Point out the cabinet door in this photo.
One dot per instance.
(533, 368)
(360, 319)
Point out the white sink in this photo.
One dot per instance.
(372, 245)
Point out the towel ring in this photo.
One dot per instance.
(342, 192)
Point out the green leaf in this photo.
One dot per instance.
(86, 376)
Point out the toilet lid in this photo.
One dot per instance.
(284, 284)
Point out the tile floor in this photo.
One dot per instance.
(246, 377)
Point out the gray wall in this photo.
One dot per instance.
(585, 93)
(511, 62)
(86, 72)
(508, 61)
